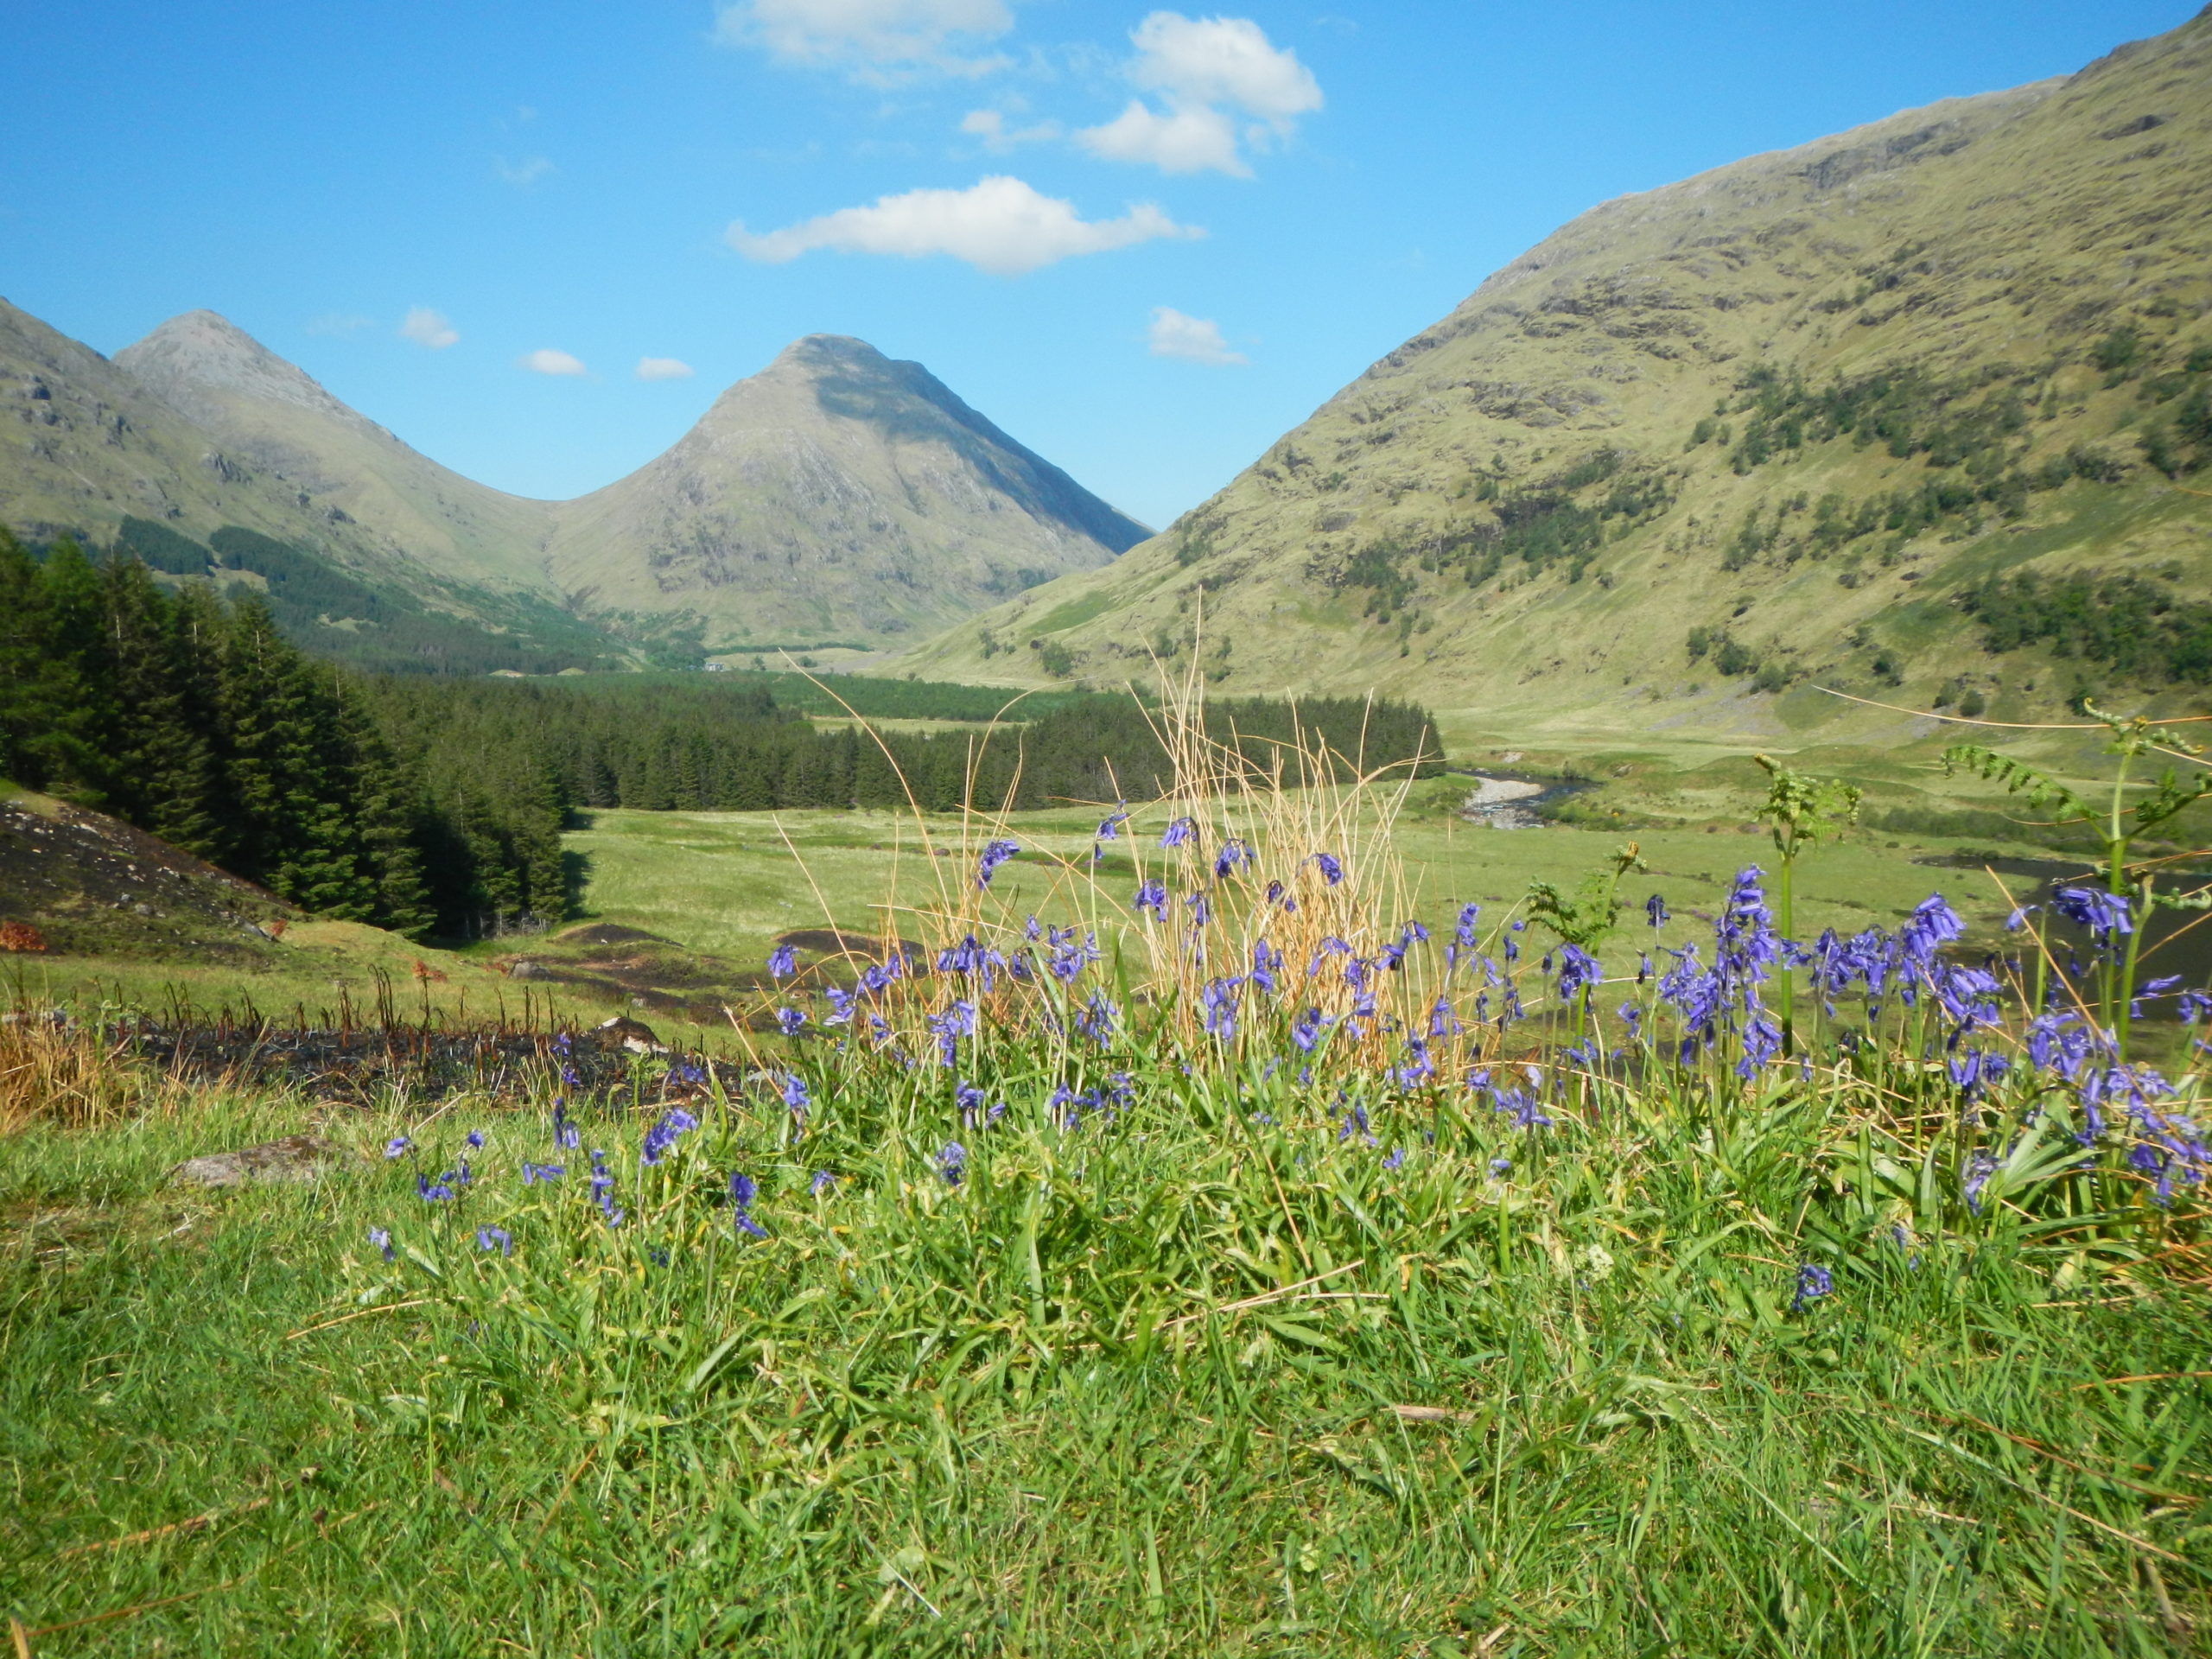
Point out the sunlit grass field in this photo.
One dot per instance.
(1241, 1271)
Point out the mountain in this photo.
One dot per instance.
(275, 419)
(1920, 409)
(836, 494)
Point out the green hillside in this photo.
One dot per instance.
(1923, 410)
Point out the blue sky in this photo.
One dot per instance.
(1146, 243)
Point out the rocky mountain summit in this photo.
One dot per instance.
(836, 490)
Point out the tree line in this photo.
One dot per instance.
(436, 806)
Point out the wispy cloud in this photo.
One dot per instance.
(1195, 340)
(999, 224)
(339, 323)
(546, 360)
(1201, 69)
(524, 172)
(872, 41)
(989, 126)
(428, 327)
(663, 368)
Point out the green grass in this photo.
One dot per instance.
(879, 1430)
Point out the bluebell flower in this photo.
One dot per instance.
(949, 1028)
(547, 1173)
(823, 1182)
(1233, 857)
(664, 1133)
(791, 1021)
(1096, 1018)
(1279, 896)
(996, 853)
(970, 1099)
(1218, 1000)
(742, 1192)
(1463, 934)
(565, 1136)
(782, 962)
(602, 1189)
(1110, 829)
(841, 1004)
(1578, 970)
(1331, 871)
(1306, 1029)
(1397, 1158)
(952, 1162)
(396, 1145)
(1501, 1166)
(1812, 1283)
(381, 1240)
(2105, 915)
(1932, 926)
(793, 1089)
(1152, 896)
(1417, 1068)
(475, 1138)
(1265, 964)
(495, 1238)
(1201, 912)
(437, 1192)
(1179, 832)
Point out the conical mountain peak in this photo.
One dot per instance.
(202, 352)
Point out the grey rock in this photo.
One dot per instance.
(295, 1158)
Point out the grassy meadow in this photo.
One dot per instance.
(1218, 1265)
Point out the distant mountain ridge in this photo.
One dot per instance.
(837, 494)
(1922, 409)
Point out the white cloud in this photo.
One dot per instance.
(546, 360)
(1193, 338)
(990, 126)
(1202, 69)
(524, 172)
(663, 368)
(999, 224)
(872, 40)
(339, 323)
(428, 327)
(1187, 141)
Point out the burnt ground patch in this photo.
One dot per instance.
(93, 886)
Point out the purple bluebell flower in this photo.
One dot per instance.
(782, 962)
(381, 1240)
(437, 1192)
(602, 1189)
(1279, 896)
(1152, 896)
(1932, 926)
(952, 1163)
(1501, 1166)
(667, 1130)
(1441, 1021)
(1462, 933)
(1417, 1067)
(2104, 915)
(996, 853)
(1201, 912)
(742, 1194)
(823, 1182)
(791, 1021)
(1980, 1168)
(1331, 871)
(970, 1099)
(475, 1138)
(1305, 1031)
(1396, 1158)
(1096, 1018)
(841, 1004)
(1218, 998)
(495, 1238)
(1265, 964)
(949, 1028)
(1178, 833)
(1235, 854)
(1655, 910)
(1578, 970)
(565, 1136)
(398, 1145)
(548, 1173)
(793, 1089)
(1812, 1283)
(1110, 829)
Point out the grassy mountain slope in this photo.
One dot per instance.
(835, 494)
(276, 420)
(1783, 421)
